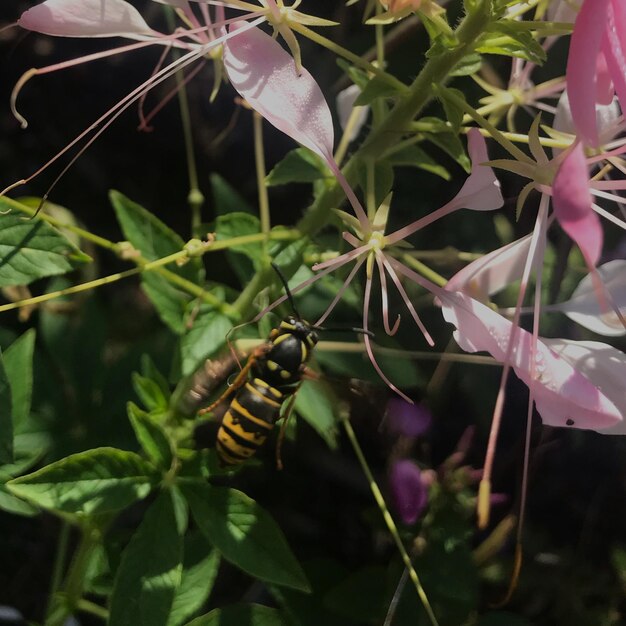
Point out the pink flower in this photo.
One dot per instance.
(596, 66)
(407, 420)
(409, 490)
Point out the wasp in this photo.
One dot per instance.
(268, 382)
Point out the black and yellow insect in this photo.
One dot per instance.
(268, 382)
(269, 379)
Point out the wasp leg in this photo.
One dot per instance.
(283, 430)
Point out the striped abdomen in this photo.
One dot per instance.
(249, 419)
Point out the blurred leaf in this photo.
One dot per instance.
(32, 249)
(150, 393)
(245, 534)
(18, 362)
(238, 225)
(315, 402)
(6, 421)
(375, 88)
(170, 302)
(414, 156)
(510, 38)
(205, 338)
(242, 615)
(299, 166)
(151, 436)
(450, 143)
(225, 198)
(151, 568)
(96, 481)
(15, 506)
(199, 572)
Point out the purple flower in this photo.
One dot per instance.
(408, 420)
(409, 490)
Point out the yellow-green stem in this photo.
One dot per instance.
(259, 159)
(424, 270)
(391, 525)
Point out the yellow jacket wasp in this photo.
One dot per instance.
(269, 379)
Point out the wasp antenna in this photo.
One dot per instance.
(337, 329)
(288, 293)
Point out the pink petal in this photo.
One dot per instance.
(85, 18)
(563, 395)
(265, 75)
(493, 272)
(603, 365)
(573, 205)
(614, 47)
(409, 490)
(582, 66)
(481, 190)
(585, 309)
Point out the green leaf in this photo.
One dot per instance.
(245, 534)
(206, 337)
(316, 403)
(150, 235)
(151, 568)
(96, 481)
(225, 198)
(150, 393)
(509, 38)
(242, 615)
(450, 143)
(468, 65)
(170, 302)
(299, 166)
(18, 362)
(414, 156)
(15, 506)
(200, 567)
(375, 88)
(6, 421)
(454, 113)
(383, 180)
(32, 249)
(237, 225)
(151, 436)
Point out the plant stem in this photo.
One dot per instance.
(85, 606)
(391, 525)
(59, 562)
(259, 159)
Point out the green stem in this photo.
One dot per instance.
(259, 159)
(424, 270)
(350, 56)
(59, 562)
(391, 525)
(85, 606)
(195, 198)
(75, 580)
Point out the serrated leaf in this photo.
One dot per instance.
(150, 393)
(6, 421)
(375, 88)
(150, 235)
(18, 361)
(510, 38)
(298, 166)
(316, 404)
(200, 567)
(150, 570)
(240, 615)
(225, 198)
(245, 534)
(414, 156)
(32, 249)
(152, 438)
(170, 302)
(96, 481)
(206, 337)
